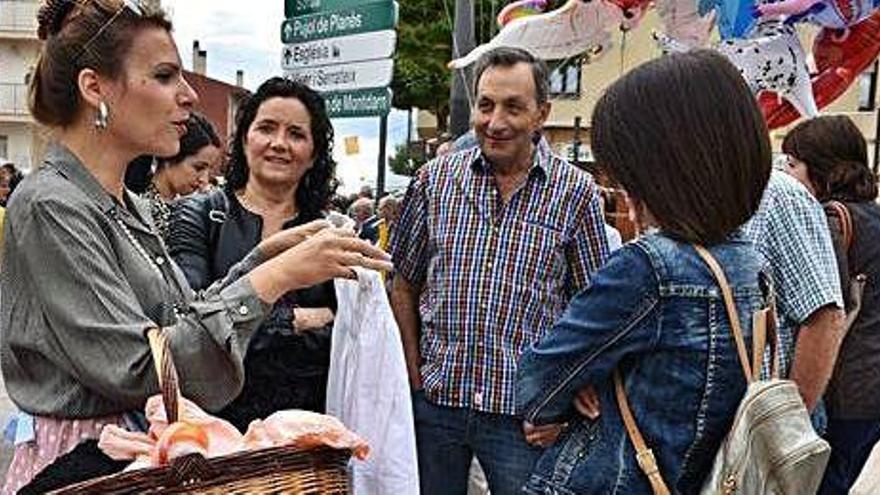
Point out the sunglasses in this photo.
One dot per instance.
(132, 5)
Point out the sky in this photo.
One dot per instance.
(246, 35)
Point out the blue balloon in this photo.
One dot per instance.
(735, 18)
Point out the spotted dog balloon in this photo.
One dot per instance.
(772, 60)
(839, 61)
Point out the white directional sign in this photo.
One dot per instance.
(341, 50)
(357, 75)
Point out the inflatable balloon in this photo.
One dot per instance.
(683, 23)
(839, 61)
(837, 14)
(520, 9)
(735, 18)
(772, 60)
(576, 28)
(632, 10)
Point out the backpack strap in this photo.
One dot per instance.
(735, 325)
(846, 224)
(763, 320)
(644, 455)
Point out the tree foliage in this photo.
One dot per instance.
(424, 47)
(406, 161)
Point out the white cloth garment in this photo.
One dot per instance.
(868, 482)
(368, 388)
(615, 241)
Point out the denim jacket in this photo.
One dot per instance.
(655, 312)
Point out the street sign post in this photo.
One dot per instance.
(342, 50)
(360, 103)
(354, 20)
(293, 8)
(356, 75)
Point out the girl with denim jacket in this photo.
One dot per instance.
(685, 138)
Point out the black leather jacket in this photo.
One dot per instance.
(208, 234)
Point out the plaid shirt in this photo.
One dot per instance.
(495, 276)
(791, 230)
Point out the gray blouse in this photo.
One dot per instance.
(82, 280)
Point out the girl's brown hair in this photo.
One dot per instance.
(685, 137)
(836, 156)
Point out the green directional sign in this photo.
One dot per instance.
(359, 103)
(293, 8)
(354, 20)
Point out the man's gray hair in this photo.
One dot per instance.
(508, 57)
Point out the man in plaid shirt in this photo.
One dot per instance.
(791, 230)
(491, 245)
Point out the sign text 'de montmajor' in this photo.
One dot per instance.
(360, 103)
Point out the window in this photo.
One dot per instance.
(4, 148)
(867, 82)
(565, 79)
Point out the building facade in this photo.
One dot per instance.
(21, 139)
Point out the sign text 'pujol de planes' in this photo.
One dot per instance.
(368, 17)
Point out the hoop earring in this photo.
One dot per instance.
(102, 120)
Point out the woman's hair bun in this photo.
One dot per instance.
(50, 18)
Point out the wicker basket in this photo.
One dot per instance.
(277, 470)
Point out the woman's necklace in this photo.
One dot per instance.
(244, 198)
(140, 248)
(176, 307)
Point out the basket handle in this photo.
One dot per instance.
(169, 384)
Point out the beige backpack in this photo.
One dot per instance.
(771, 447)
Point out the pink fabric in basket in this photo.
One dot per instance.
(199, 432)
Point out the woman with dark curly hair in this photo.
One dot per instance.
(281, 175)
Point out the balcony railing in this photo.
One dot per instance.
(19, 15)
(14, 99)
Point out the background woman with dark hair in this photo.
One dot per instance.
(829, 156)
(10, 177)
(693, 174)
(185, 173)
(281, 175)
